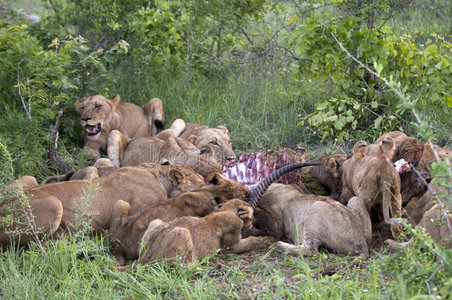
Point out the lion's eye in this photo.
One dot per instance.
(215, 143)
(97, 105)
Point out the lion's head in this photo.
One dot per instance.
(95, 114)
(216, 139)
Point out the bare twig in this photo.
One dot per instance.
(53, 157)
(27, 110)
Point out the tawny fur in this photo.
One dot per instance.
(413, 183)
(205, 138)
(130, 119)
(31, 218)
(194, 237)
(140, 186)
(285, 212)
(126, 152)
(127, 229)
(329, 173)
(385, 148)
(374, 180)
(436, 226)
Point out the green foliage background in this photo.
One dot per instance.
(272, 72)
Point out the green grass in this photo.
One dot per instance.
(57, 273)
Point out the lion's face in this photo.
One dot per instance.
(410, 150)
(216, 139)
(95, 114)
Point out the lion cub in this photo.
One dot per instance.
(376, 181)
(127, 230)
(284, 211)
(194, 237)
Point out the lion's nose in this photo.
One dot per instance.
(86, 119)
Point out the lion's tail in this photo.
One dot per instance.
(154, 112)
(63, 177)
(116, 145)
(392, 203)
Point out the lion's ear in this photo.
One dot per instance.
(359, 146)
(193, 139)
(77, 105)
(332, 164)
(387, 145)
(115, 101)
(177, 177)
(222, 127)
(214, 178)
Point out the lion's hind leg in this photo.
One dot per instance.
(164, 241)
(307, 248)
(43, 219)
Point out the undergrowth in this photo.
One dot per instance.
(28, 273)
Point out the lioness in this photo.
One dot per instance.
(205, 138)
(100, 115)
(140, 186)
(284, 211)
(374, 180)
(131, 152)
(195, 237)
(127, 227)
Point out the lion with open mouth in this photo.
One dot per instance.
(99, 116)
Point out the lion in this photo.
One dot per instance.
(131, 152)
(127, 227)
(140, 186)
(205, 138)
(420, 156)
(329, 173)
(100, 115)
(284, 211)
(385, 146)
(437, 224)
(374, 180)
(194, 237)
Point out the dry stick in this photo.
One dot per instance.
(398, 93)
(53, 157)
(28, 112)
